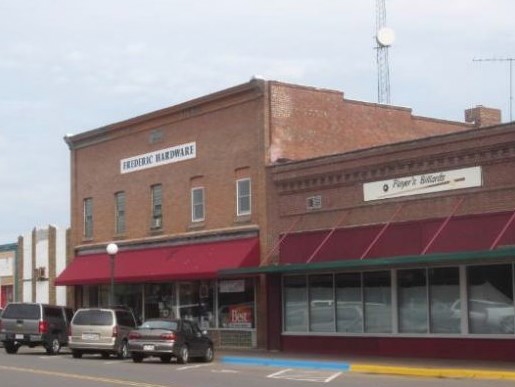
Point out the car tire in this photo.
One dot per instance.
(11, 347)
(53, 347)
(123, 351)
(76, 354)
(137, 357)
(184, 355)
(209, 355)
(165, 358)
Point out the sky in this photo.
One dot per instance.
(69, 66)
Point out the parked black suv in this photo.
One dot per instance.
(34, 324)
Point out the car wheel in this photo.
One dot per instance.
(53, 347)
(165, 358)
(209, 354)
(123, 351)
(76, 354)
(137, 357)
(11, 347)
(184, 355)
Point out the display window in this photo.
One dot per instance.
(236, 304)
(228, 304)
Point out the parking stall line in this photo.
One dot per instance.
(190, 367)
(305, 375)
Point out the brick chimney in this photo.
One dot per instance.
(482, 116)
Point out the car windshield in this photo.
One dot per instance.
(159, 324)
(93, 317)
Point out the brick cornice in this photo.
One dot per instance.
(339, 175)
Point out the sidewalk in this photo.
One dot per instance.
(431, 368)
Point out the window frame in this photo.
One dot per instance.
(120, 218)
(87, 217)
(195, 205)
(156, 206)
(239, 211)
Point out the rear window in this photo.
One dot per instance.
(22, 312)
(93, 317)
(160, 324)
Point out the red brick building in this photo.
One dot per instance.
(399, 250)
(190, 191)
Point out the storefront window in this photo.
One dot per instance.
(196, 302)
(412, 301)
(444, 294)
(130, 295)
(160, 300)
(295, 304)
(321, 303)
(378, 302)
(236, 304)
(349, 303)
(490, 301)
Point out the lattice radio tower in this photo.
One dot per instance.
(384, 39)
(510, 63)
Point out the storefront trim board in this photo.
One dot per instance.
(423, 184)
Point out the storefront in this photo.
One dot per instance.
(176, 282)
(446, 304)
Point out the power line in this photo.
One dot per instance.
(510, 61)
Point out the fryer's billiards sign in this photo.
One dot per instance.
(423, 184)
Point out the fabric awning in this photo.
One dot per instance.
(193, 261)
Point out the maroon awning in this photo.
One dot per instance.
(193, 261)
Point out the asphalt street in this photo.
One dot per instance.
(34, 367)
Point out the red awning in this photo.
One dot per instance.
(195, 261)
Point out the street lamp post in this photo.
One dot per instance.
(112, 249)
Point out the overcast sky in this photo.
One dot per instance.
(68, 66)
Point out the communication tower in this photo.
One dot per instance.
(384, 39)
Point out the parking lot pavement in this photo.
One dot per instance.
(432, 368)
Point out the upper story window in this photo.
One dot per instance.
(120, 212)
(157, 206)
(197, 204)
(88, 218)
(243, 194)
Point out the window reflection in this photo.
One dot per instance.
(295, 304)
(490, 303)
(412, 300)
(378, 302)
(321, 304)
(349, 304)
(444, 290)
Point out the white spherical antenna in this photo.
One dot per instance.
(385, 37)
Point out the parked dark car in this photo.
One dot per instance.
(167, 339)
(34, 324)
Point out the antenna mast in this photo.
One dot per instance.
(384, 38)
(510, 62)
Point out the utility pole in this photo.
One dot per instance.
(510, 62)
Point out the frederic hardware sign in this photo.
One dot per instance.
(159, 157)
(423, 184)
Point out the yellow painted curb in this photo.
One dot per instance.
(432, 372)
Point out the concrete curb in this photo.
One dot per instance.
(451, 373)
(377, 369)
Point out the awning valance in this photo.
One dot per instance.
(455, 258)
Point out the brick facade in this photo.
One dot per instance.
(239, 133)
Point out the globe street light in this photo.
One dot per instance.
(112, 249)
